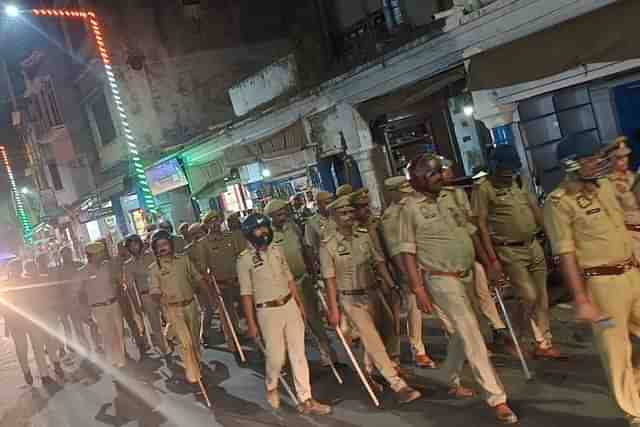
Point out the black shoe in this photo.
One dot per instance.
(47, 380)
(28, 378)
(58, 370)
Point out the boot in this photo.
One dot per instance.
(313, 407)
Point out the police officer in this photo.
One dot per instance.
(346, 259)
(287, 237)
(179, 242)
(343, 190)
(398, 189)
(138, 281)
(183, 229)
(366, 223)
(321, 223)
(224, 248)
(71, 311)
(269, 293)
(586, 226)
(623, 180)
(23, 329)
(131, 310)
(454, 197)
(508, 220)
(444, 247)
(301, 213)
(174, 283)
(101, 283)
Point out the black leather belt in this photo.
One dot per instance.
(105, 303)
(354, 292)
(610, 270)
(180, 303)
(145, 292)
(517, 243)
(275, 303)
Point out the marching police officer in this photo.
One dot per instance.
(623, 180)
(269, 293)
(343, 190)
(398, 189)
(586, 226)
(508, 220)
(287, 237)
(444, 247)
(174, 283)
(179, 242)
(366, 223)
(321, 223)
(71, 315)
(346, 259)
(101, 283)
(138, 280)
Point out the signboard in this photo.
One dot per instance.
(93, 214)
(165, 177)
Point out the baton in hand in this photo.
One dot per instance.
(322, 348)
(227, 319)
(284, 383)
(353, 359)
(507, 320)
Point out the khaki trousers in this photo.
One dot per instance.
(526, 268)
(619, 298)
(636, 243)
(185, 322)
(414, 318)
(23, 331)
(283, 331)
(152, 310)
(482, 299)
(50, 337)
(450, 298)
(360, 314)
(309, 298)
(109, 320)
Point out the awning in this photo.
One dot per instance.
(283, 143)
(212, 189)
(203, 176)
(402, 98)
(605, 35)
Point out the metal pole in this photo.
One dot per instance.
(227, 319)
(507, 320)
(353, 359)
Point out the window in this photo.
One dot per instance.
(102, 119)
(55, 176)
(50, 103)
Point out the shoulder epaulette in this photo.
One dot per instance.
(556, 195)
(244, 252)
(480, 181)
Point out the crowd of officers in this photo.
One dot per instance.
(441, 246)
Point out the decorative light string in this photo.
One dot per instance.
(21, 213)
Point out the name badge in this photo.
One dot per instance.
(593, 211)
(257, 262)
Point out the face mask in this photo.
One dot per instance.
(264, 240)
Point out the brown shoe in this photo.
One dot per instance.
(461, 392)
(504, 414)
(549, 354)
(375, 385)
(425, 362)
(273, 397)
(407, 394)
(313, 407)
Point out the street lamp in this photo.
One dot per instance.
(11, 10)
(132, 148)
(25, 190)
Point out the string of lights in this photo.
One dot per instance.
(27, 228)
(132, 148)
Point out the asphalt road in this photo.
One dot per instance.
(563, 393)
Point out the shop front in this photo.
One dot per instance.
(169, 185)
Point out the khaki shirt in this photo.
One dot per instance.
(265, 275)
(622, 185)
(179, 244)
(176, 279)
(199, 252)
(441, 241)
(318, 228)
(509, 215)
(589, 224)
(101, 283)
(349, 260)
(288, 240)
(391, 227)
(137, 270)
(457, 197)
(224, 249)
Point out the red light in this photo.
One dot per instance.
(36, 11)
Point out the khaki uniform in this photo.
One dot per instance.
(101, 284)
(630, 205)
(391, 229)
(71, 316)
(131, 311)
(442, 243)
(179, 244)
(317, 228)
(456, 200)
(513, 227)
(137, 274)
(265, 276)
(349, 261)
(176, 279)
(384, 323)
(289, 241)
(592, 225)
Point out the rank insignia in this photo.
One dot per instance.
(583, 201)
